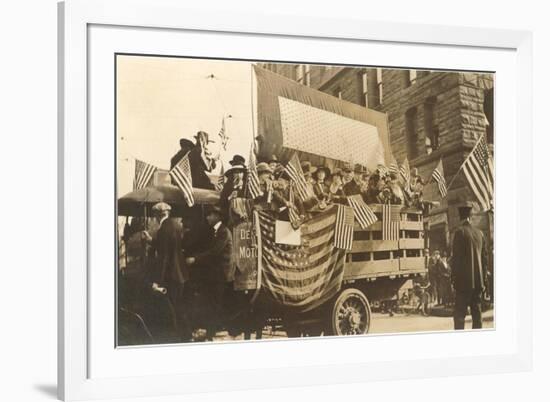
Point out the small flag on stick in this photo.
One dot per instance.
(296, 174)
(143, 174)
(362, 211)
(253, 181)
(439, 177)
(181, 175)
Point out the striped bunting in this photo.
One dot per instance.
(181, 175)
(343, 232)
(302, 277)
(390, 223)
(361, 210)
(439, 178)
(143, 174)
(479, 172)
(252, 181)
(296, 174)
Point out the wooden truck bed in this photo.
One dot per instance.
(373, 257)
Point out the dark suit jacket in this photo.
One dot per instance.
(199, 169)
(214, 262)
(170, 266)
(469, 262)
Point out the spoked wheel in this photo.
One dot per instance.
(351, 313)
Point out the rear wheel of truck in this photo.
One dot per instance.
(351, 313)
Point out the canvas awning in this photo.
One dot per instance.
(322, 128)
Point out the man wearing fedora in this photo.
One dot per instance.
(468, 269)
(169, 273)
(212, 267)
(234, 187)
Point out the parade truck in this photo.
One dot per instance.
(323, 277)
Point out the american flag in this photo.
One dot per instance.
(302, 277)
(382, 169)
(221, 177)
(252, 181)
(296, 174)
(479, 172)
(405, 171)
(223, 136)
(439, 177)
(361, 210)
(343, 232)
(181, 175)
(295, 220)
(143, 174)
(394, 167)
(390, 223)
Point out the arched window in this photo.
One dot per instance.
(431, 127)
(411, 132)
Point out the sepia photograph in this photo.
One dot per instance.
(267, 200)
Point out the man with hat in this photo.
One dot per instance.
(468, 268)
(201, 162)
(274, 163)
(212, 267)
(320, 187)
(271, 199)
(234, 187)
(185, 146)
(169, 271)
(354, 186)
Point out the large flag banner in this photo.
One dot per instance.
(439, 176)
(302, 277)
(362, 211)
(390, 222)
(479, 172)
(343, 232)
(143, 174)
(296, 174)
(181, 175)
(252, 181)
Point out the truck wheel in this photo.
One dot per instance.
(351, 313)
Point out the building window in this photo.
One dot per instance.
(379, 86)
(411, 132)
(409, 77)
(299, 73)
(430, 125)
(307, 75)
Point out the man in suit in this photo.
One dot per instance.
(468, 269)
(169, 272)
(213, 265)
(201, 162)
(185, 146)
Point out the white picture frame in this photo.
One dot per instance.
(76, 379)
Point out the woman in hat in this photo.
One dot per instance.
(234, 187)
(336, 194)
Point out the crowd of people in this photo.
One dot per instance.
(325, 187)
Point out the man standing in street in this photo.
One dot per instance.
(215, 271)
(469, 269)
(169, 271)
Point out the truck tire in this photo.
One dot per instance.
(351, 313)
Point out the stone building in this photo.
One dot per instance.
(432, 115)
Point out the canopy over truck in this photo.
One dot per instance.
(322, 128)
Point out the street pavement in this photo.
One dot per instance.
(384, 324)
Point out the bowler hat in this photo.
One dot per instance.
(324, 169)
(237, 160)
(235, 169)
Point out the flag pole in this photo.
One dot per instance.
(463, 163)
